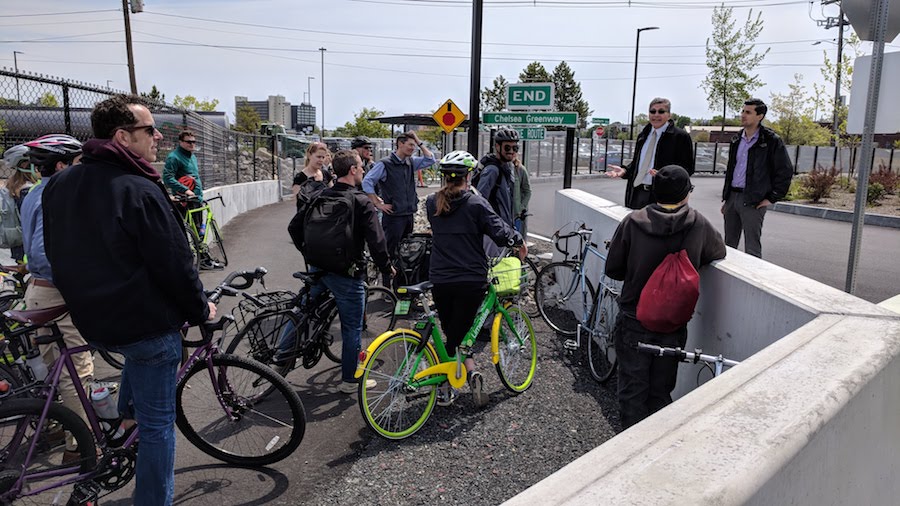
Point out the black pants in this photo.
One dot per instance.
(645, 381)
(457, 304)
(640, 198)
(395, 229)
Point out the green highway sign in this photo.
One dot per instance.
(532, 134)
(600, 121)
(529, 96)
(564, 119)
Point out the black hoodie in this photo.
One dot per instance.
(496, 185)
(646, 236)
(457, 255)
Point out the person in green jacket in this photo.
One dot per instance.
(521, 196)
(180, 163)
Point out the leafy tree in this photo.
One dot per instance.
(639, 121)
(363, 125)
(534, 73)
(9, 102)
(494, 98)
(47, 100)
(829, 72)
(732, 58)
(794, 120)
(191, 103)
(154, 95)
(681, 121)
(568, 93)
(246, 119)
(432, 135)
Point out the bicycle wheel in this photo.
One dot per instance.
(395, 408)
(528, 300)
(558, 292)
(262, 421)
(518, 351)
(378, 318)
(215, 245)
(19, 425)
(195, 244)
(601, 353)
(261, 336)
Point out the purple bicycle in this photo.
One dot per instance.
(231, 408)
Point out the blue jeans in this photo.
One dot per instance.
(350, 296)
(147, 394)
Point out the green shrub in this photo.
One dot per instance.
(875, 193)
(886, 178)
(795, 192)
(817, 184)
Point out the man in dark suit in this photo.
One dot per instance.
(660, 143)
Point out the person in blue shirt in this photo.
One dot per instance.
(51, 154)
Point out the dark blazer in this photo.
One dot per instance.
(769, 169)
(673, 147)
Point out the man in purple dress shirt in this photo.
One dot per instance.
(758, 175)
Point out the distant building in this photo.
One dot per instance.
(303, 117)
(260, 106)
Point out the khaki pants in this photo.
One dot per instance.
(42, 297)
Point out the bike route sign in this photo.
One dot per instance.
(532, 134)
(564, 119)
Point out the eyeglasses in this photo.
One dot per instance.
(190, 142)
(514, 148)
(659, 111)
(150, 129)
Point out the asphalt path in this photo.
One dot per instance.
(816, 248)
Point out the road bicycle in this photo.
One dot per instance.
(571, 305)
(282, 328)
(408, 365)
(203, 232)
(232, 408)
(714, 364)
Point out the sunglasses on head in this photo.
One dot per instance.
(658, 111)
(511, 148)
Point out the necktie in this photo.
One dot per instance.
(645, 162)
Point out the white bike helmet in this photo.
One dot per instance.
(458, 163)
(15, 155)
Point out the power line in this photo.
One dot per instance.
(55, 13)
(582, 5)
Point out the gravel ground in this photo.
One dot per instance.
(463, 455)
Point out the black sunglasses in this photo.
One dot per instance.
(190, 142)
(150, 129)
(660, 111)
(514, 148)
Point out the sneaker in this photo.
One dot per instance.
(446, 395)
(210, 265)
(476, 383)
(349, 387)
(111, 386)
(71, 457)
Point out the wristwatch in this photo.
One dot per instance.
(420, 144)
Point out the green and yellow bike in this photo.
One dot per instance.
(408, 365)
(203, 233)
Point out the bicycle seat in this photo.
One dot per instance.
(414, 290)
(309, 277)
(37, 316)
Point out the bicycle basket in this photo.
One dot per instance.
(247, 309)
(508, 276)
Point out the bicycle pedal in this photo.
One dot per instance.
(85, 493)
(570, 344)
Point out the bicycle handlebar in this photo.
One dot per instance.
(193, 198)
(207, 330)
(684, 356)
(231, 288)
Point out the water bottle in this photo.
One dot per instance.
(202, 229)
(36, 363)
(103, 404)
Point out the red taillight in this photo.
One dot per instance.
(362, 356)
(4, 386)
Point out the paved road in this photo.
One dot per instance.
(813, 247)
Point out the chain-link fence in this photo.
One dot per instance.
(35, 105)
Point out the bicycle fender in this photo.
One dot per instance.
(495, 338)
(367, 353)
(448, 369)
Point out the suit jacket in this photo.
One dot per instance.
(674, 147)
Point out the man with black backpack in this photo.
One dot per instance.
(339, 224)
(495, 180)
(661, 240)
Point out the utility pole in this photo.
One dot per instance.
(475, 74)
(322, 50)
(16, 67)
(309, 88)
(128, 47)
(839, 22)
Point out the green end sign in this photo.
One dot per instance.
(532, 134)
(530, 96)
(564, 119)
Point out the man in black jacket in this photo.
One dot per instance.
(660, 143)
(644, 238)
(120, 258)
(758, 175)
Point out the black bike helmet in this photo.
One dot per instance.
(506, 135)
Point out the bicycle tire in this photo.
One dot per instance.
(330, 335)
(259, 339)
(600, 350)
(18, 423)
(195, 244)
(393, 408)
(378, 318)
(518, 351)
(220, 435)
(556, 286)
(528, 299)
(216, 247)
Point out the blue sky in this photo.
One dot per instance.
(403, 55)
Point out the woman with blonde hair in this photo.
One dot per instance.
(459, 221)
(24, 176)
(314, 167)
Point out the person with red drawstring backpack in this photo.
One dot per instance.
(657, 251)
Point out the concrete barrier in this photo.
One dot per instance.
(808, 417)
(242, 197)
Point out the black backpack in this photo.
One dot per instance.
(413, 259)
(328, 233)
(309, 190)
(492, 195)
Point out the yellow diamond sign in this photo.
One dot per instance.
(448, 116)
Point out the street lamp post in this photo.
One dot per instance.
(16, 67)
(322, 50)
(637, 47)
(309, 88)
